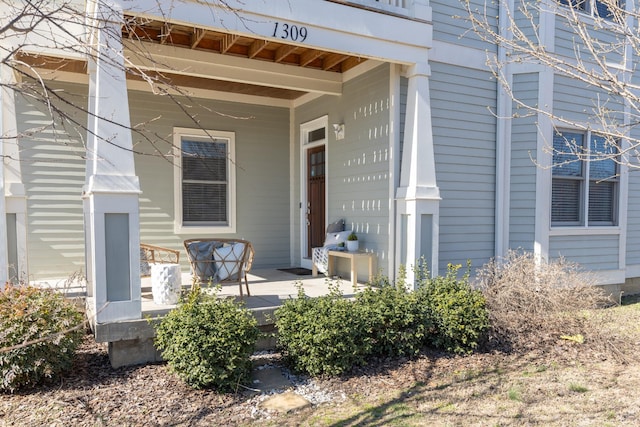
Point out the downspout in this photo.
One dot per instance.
(503, 137)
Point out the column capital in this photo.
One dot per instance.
(419, 69)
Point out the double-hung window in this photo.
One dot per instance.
(595, 8)
(204, 181)
(585, 181)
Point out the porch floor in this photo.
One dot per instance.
(269, 289)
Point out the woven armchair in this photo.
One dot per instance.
(150, 254)
(220, 260)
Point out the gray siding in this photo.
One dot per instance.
(573, 100)
(607, 42)
(523, 171)
(54, 175)
(451, 23)
(464, 142)
(358, 166)
(592, 252)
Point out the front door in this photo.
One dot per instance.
(315, 197)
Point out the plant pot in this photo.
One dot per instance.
(166, 281)
(352, 245)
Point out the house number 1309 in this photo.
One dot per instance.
(290, 32)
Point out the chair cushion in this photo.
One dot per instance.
(333, 239)
(201, 253)
(228, 261)
(334, 227)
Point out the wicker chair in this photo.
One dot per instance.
(220, 260)
(150, 254)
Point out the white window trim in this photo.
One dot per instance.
(178, 227)
(561, 228)
(590, 14)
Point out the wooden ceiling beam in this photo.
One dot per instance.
(284, 51)
(256, 47)
(351, 62)
(197, 36)
(332, 60)
(309, 56)
(165, 35)
(227, 42)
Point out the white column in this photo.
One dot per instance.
(15, 200)
(418, 196)
(4, 258)
(111, 209)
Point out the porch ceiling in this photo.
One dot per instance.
(241, 46)
(138, 32)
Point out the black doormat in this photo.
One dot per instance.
(298, 271)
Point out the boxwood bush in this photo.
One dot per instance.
(397, 324)
(332, 334)
(458, 312)
(207, 341)
(323, 335)
(40, 331)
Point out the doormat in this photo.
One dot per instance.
(298, 271)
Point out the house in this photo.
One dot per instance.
(383, 113)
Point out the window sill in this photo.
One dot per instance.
(580, 230)
(203, 230)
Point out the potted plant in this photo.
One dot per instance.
(352, 242)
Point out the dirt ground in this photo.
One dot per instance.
(568, 384)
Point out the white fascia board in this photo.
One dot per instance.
(329, 26)
(461, 56)
(170, 59)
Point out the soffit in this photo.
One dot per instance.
(243, 46)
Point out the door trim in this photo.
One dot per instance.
(305, 144)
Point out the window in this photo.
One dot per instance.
(585, 180)
(204, 181)
(592, 7)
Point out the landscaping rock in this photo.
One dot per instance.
(285, 402)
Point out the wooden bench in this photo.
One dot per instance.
(353, 257)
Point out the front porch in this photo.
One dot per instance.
(131, 341)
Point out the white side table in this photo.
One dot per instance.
(353, 257)
(166, 281)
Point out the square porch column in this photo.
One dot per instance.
(418, 196)
(14, 204)
(111, 205)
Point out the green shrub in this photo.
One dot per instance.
(396, 323)
(39, 333)
(458, 311)
(324, 335)
(207, 341)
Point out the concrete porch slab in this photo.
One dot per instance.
(131, 341)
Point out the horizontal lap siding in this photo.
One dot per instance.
(592, 252)
(53, 169)
(358, 166)
(451, 23)
(464, 143)
(575, 101)
(567, 42)
(523, 171)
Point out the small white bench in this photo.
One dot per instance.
(353, 257)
